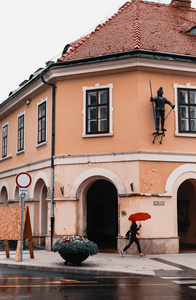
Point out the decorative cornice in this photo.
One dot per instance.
(114, 157)
(30, 167)
(125, 156)
(133, 195)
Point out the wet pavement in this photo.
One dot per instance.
(182, 264)
(35, 284)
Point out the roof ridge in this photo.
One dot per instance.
(137, 37)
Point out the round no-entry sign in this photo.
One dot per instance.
(23, 180)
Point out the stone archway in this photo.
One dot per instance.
(40, 210)
(91, 175)
(43, 210)
(186, 207)
(102, 214)
(79, 190)
(4, 196)
(80, 187)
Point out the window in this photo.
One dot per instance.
(20, 143)
(4, 140)
(42, 122)
(97, 112)
(187, 110)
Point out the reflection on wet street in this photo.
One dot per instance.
(18, 284)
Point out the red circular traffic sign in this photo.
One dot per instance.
(23, 180)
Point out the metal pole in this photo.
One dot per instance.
(22, 217)
(152, 104)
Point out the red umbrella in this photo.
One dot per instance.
(140, 216)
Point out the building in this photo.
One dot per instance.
(83, 126)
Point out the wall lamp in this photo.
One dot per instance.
(62, 190)
(131, 185)
(124, 213)
(28, 102)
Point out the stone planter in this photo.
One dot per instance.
(75, 249)
(74, 258)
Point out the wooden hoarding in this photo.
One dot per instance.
(10, 228)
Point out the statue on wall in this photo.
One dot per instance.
(159, 112)
(160, 102)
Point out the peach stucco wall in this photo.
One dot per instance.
(69, 109)
(153, 175)
(133, 122)
(31, 153)
(163, 222)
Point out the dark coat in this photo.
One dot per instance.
(132, 231)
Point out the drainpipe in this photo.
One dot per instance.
(52, 156)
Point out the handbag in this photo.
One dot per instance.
(127, 235)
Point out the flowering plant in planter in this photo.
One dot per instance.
(75, 249)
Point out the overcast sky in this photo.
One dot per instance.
(35, 31)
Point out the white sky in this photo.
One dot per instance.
(35, 31)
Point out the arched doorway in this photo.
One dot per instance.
(102, 214)
(40, 210)
(4, 196)
(186, 204)
(43, 210)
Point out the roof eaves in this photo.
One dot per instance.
(104, 58)
(124, 55)
(35, 76)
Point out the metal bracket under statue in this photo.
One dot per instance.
(159, 112)
(157, 134)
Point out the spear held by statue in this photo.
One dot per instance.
(152, 103)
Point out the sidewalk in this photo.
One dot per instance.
(106, 263)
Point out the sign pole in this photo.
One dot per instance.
(23, 181)
(22, 217)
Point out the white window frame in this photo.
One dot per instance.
(96, 87)
(176, 87)
(41, 102)
(20, 115)
(6, 124)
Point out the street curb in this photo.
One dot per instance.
(72, 269)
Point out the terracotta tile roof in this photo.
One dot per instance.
(139, 25)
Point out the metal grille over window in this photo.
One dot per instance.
(97, 111)
(187, 110)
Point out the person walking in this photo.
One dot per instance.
(131, 233)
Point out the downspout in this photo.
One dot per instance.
(52, 156)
